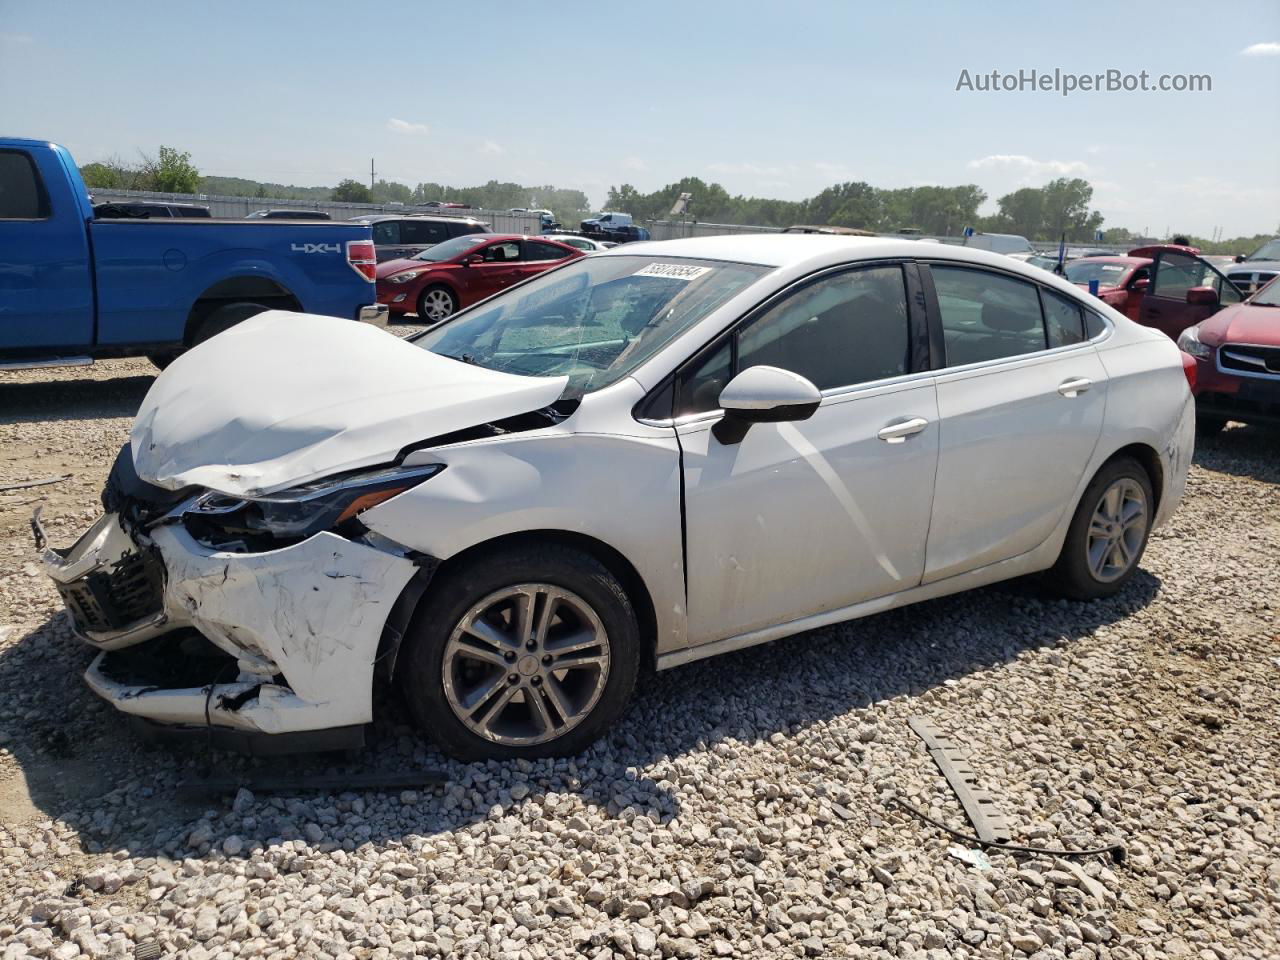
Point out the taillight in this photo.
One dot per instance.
(1189, 368)
(363, 258)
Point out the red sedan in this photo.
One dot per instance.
(1237, 353)
(454, 274)
(1121, 280)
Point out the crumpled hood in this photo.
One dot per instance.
(286, 398)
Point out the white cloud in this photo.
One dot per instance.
(396, 125)
(1027, 167)
(833, 171)
(634, 163)
(739, 169)
(1261, 50)
(491, 148)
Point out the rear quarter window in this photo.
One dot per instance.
(22, 194)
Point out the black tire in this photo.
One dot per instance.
(455, 593)
(1072, 576)
(435, 290)
(224, 318)
(1208, 426)
(162, 360)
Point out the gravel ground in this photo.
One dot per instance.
(741, 807)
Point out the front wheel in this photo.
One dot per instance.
(436, 303)
(525, 654)
(1108, 533)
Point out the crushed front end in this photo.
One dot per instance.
(205, 627)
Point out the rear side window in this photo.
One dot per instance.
(1063, 320)
(462, 228)
(986, 316)
(22, 195)
(423, 231)
(534, 250)
(1094, 325)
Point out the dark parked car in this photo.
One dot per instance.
(1237, 353)
(400, 236)
(459, 272)
(147, 209)
(1255, 271)
(288, 215)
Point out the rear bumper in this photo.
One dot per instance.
(374, 313)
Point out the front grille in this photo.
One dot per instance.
(1249, 358)
(113, 598)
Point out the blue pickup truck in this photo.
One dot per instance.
(74, 288)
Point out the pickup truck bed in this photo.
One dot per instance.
(74, 288)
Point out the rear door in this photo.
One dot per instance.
(46, 285)
(1020, 405)
(1174, 274)
(536, 256)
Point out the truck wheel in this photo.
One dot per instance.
(224, 318)
(528, 653)
(436, 303)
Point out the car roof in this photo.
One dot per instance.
(380, 217)
(1127, 261)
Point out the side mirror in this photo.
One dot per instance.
(1141, 284)
(473, 259)
(764, 395)
(1202, 297)
(1239, 258)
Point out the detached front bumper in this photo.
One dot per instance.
(296, 630)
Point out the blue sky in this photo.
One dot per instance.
(772, 99)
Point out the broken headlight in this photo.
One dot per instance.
(305, 510)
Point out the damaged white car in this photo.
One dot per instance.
(651, 455)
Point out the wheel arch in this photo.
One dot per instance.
(406, 606)
(1149, 459)
(267, 291)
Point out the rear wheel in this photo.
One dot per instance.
(530, 653)
(224, 318)
(436, 303)
(1108, 533)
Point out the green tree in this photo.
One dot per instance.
(100, 175)
(171, 172)
(351, 191)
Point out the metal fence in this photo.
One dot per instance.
(235, 208)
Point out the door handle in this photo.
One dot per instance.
(898, 432)
(1075, 386)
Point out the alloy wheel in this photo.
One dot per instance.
(437, 304)
(526, 664)
(1117, 530)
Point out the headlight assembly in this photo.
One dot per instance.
(305, 510)
(1189, 342)
(403, 277)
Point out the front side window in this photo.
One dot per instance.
(22, 196)
(502, 252)
(386, 232)
(1176, 273)
(841, 331)
(594, 320)
(986, 316)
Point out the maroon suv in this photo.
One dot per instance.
(1237, 352)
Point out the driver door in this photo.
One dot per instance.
(804, 517)
(1167, 304)
(498, 269)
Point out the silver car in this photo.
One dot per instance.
(647, 456)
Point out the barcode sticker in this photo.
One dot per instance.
(673, 271)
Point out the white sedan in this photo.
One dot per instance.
(586, 244)
(647, 456)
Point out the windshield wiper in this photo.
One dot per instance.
(464, 358)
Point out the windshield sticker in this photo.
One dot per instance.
(673, 271)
